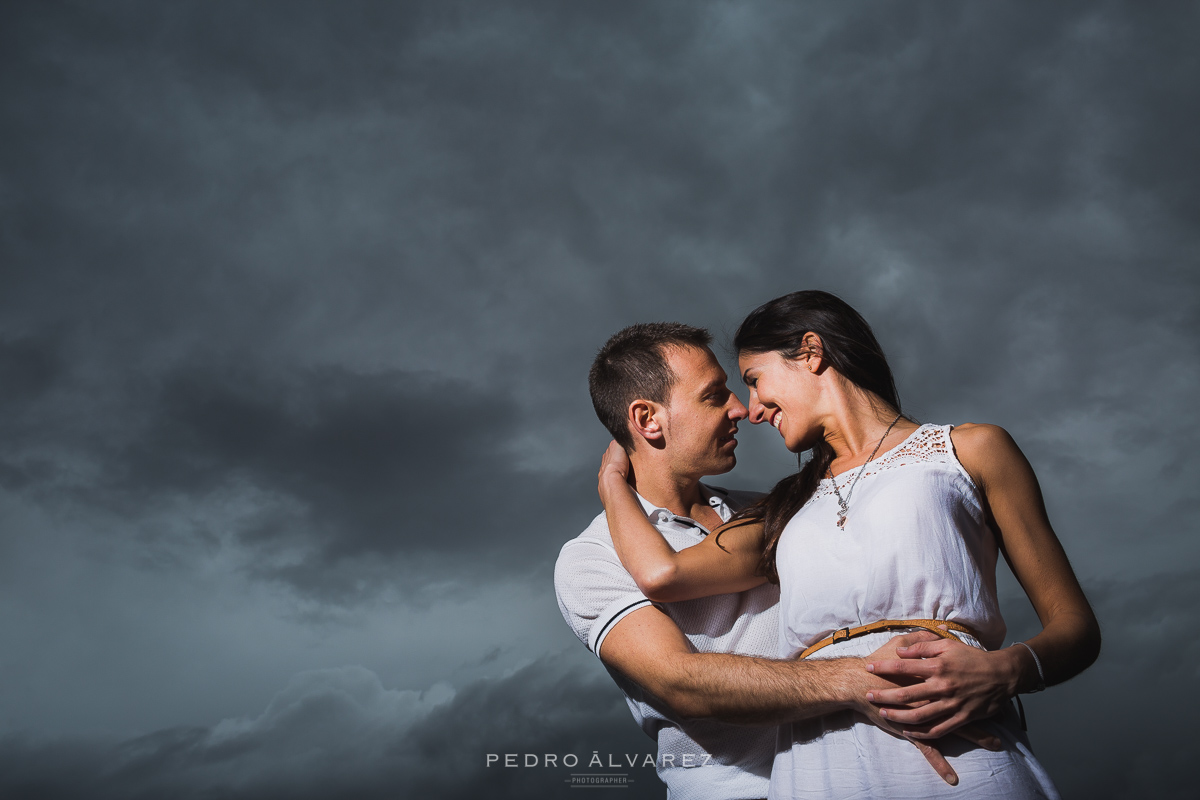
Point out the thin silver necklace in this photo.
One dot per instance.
(844, 502)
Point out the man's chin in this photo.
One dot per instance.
(724, 465)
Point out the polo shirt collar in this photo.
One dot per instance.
(716, 498)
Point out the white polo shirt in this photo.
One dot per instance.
(697, 759)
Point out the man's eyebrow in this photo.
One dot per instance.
(712, 385)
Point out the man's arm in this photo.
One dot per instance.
(648, 648)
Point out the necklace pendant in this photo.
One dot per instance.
(841, 519)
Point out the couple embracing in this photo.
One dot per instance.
(839, 636)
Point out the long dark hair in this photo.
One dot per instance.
(849, 346)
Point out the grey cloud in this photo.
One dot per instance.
(28, 367)
(1121, 728)
(354, 448)
(245, 250)
(340, 732)
(363, 476)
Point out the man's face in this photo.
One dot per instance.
(701, 420)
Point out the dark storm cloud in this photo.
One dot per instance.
(339, 732)
(326, 278)
(515, 148)
(1131, 695)
(355, 472)
(378, 466)
(27, 368)
(355, 449)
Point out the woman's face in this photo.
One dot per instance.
(783, 393)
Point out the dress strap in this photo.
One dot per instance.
(941, 627)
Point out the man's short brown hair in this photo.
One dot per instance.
(632, 365)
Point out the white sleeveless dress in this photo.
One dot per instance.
(915, 546)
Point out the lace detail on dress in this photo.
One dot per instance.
(927, 444)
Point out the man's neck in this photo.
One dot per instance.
(678, 494)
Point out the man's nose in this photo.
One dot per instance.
(737, 411)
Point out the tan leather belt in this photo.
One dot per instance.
(941, 627)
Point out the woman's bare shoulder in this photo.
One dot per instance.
(983, 448)
(976, 435)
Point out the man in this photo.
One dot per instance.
(690, 669)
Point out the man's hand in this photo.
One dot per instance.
(958, 684)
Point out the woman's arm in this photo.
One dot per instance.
(965, 683)
(661, 573)
(1070, 637)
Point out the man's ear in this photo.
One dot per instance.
(645, 419)
(812, 353)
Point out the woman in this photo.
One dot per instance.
(889, 522)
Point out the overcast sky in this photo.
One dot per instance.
(297, 303)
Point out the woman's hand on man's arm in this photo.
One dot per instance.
(958, 684)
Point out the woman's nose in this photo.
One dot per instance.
(757, 411)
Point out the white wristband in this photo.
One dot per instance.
(1038, 663)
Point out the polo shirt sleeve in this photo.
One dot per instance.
(594, 590)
